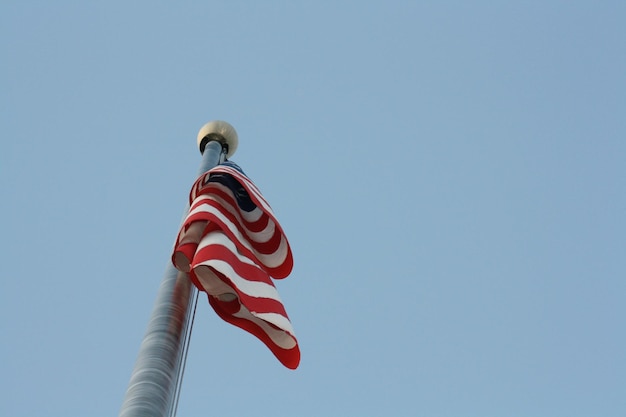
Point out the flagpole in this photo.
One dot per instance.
(155, 377)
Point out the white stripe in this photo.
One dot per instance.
(282, 338)
(277, 320)
(211, 283)
(193, 232)
(272, 260)
(256, 236)
(218, 288)
(261, 236)
(251, 216)
(251, 288)
(242, 178)
(220, 238)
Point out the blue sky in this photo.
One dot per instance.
(450, 175)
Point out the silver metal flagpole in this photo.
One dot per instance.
(155, 378)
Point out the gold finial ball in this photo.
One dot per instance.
(220, 131)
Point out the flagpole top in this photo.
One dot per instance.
(220, 131)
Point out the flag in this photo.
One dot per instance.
(232, 246)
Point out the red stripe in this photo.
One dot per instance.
(282, 270)
(285, 269)
(288, 357)
(252, 303)
(226, 194)
(217, 223)
(222, 199)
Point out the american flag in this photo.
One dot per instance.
(232, 246)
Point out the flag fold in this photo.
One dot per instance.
(232, 246)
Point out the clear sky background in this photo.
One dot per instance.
(451, 176)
